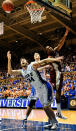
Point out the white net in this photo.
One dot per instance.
(35, 10)
(35, 14)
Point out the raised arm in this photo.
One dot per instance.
(46, 61)
(61, 43)
(10, 71)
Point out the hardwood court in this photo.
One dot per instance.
(12, 119)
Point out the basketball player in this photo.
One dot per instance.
(42, 73)
(56, 77)
(41, 70)
(42, 88)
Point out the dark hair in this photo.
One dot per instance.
(22, 58)
(50, 51)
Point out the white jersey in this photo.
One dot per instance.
(43, 90)
(33, 76)
(42, 73)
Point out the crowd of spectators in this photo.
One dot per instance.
(19, 88)
(69, 77)
(14, 88)
(69, 84)
(69, 64)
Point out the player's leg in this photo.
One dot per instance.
(46, 101)
(58, 99)
(51, 116)
(29, 108)
(32, 102)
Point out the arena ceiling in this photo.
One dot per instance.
(23, 37)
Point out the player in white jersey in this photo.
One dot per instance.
(42, 73)
(41, 70)
(42, 88)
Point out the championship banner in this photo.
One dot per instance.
(21, 103)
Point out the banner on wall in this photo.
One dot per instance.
(21, 103)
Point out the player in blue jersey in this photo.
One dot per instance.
(43, 90)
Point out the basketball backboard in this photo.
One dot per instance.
(64, 7)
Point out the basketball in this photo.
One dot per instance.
(7, 6)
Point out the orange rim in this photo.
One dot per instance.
(36, 9)
(29, 2)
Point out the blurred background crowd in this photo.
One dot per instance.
(11, 87)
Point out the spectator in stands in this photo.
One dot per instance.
(67, 68)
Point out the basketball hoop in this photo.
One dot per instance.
(35, 11)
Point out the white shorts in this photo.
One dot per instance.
(44, 94)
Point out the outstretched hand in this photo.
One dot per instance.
(8, 55)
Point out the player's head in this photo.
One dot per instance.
(23, 62)
(49, 50)
(36, 56)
